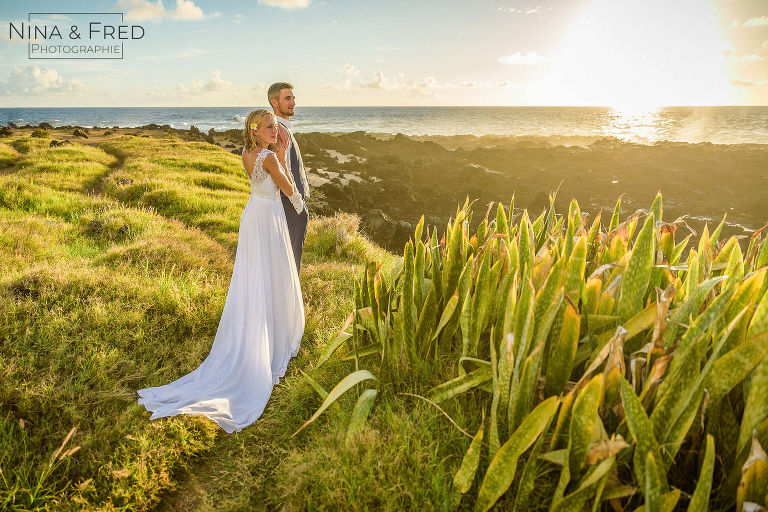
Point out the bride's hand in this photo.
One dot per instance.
(283, 137)
(297, 201)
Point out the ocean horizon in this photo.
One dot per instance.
(714, 124)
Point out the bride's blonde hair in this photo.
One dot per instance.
(251, 140)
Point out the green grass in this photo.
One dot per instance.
(194, 182)
(400, 461)
(116, 262)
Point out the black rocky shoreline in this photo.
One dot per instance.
(391, 183)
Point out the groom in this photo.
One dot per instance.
(282, 100)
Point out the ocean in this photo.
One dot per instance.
(718, 125)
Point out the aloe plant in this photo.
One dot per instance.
(602, 347)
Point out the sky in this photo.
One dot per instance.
(620, 53)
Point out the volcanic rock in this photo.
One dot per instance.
(385, 231)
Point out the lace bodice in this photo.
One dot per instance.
(262, 184)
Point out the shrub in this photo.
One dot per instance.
(338, 236)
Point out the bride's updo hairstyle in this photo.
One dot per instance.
(251, 140)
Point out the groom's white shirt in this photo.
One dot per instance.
(293, 143)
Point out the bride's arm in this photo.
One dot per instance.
(280, 177)
(281, 156)
(283, 140)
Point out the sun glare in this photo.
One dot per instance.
(636, 56)
(636, 123)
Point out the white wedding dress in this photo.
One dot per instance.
(261, 325)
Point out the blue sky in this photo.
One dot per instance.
(627, 53)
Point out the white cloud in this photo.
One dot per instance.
(730, 54)
(743, 83)
(519, 58)
(426, 88)
(143, 10)
(428, 83)
(349, 70)
(287, 4)
(379, 82)
(527, 10)
(198, 87)
(33, 80)
(471, 84)
(186, 10)
(214, 90)
(727, 49)
(214, 84)
(756, 22)
(398, 89)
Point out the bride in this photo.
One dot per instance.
(263, 317)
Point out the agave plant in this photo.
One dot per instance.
(605, 358)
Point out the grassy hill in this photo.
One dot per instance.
(116, 262)
(117, 256)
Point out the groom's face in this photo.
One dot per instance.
(286, 103)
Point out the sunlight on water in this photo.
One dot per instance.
(634, 124)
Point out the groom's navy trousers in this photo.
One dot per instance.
(297, 222)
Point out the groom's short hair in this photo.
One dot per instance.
(274, 90)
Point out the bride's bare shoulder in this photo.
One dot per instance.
(248, 157)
